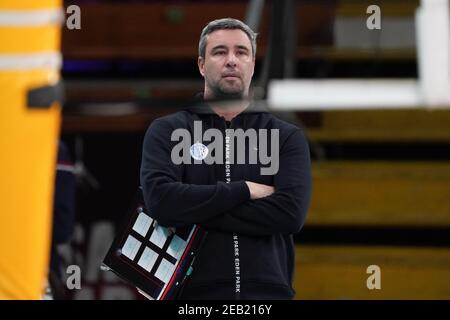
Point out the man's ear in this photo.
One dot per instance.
(201, 65)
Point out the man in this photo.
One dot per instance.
(64, 216)
(250, 211)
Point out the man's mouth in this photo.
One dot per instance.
(230, 76)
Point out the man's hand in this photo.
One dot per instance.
(258, 190)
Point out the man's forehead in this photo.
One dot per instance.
(228, 37)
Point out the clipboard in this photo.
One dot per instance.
(155, 259)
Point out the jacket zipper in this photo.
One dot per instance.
(237, 269)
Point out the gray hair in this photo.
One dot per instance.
(225, 24)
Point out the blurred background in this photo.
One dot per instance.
(381, 177)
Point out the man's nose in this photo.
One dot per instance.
(231, 60)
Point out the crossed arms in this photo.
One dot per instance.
(242, 207)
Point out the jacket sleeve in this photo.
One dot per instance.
(285, 210)
(171, 202)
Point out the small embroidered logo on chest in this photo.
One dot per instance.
(199, 151)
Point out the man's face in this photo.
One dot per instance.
(228, 65)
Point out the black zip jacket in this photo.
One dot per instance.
(249, 249)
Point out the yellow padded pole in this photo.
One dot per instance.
(29, 59)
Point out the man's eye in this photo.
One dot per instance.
(240, 53)
(219, 53)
